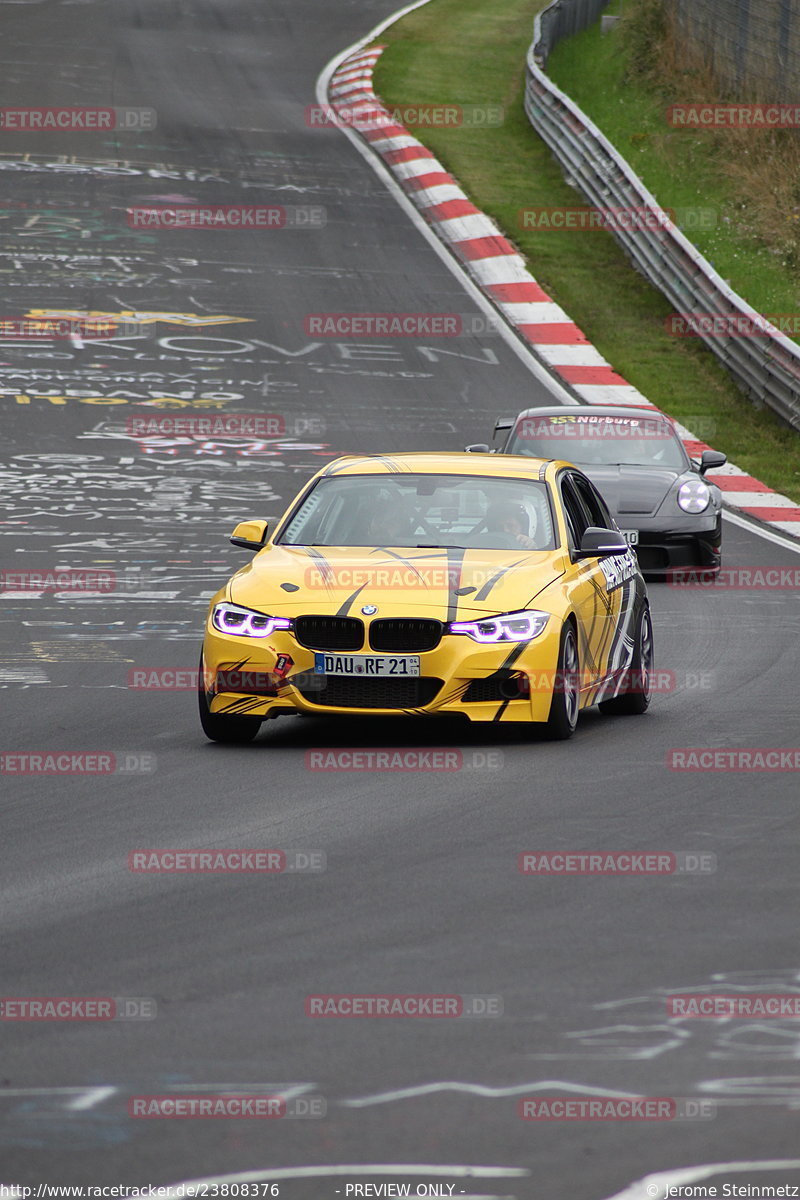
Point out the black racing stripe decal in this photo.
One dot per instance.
(243, 706)
(623, 647)
(607, 603)
(623, 621)
(587, 637)
(455, 563)
(455, 693)
(236, 667)
(347, 604)
(620, 655)
(457, 690)
(404, 559)
(585, 657)
(432, 554)
(509, 661)
(490, 583)
(392, 467)
(325, 567)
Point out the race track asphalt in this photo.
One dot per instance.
(421, 892)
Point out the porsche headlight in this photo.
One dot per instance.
(243, 622)
(510, 627)
(694, 496)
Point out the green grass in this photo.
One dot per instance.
(681, 167)
(473, 52)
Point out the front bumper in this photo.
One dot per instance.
(460, 676)
(665, 545)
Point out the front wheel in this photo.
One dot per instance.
(636, 699)
(564, 706)
(221, 728)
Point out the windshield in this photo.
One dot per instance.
(590, 439)
(443, 511)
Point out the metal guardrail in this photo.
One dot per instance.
(558, 21)
(766, 367)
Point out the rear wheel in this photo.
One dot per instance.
(219, 727)
(565, 704)
(636, 699)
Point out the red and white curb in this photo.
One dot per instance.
(500, 272)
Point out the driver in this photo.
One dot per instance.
(389, 524)
(506, 516)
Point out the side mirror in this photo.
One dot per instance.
(478, 448)
(250, 534)
(710, 459)
(599, 543)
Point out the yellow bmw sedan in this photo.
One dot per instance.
(431, 584)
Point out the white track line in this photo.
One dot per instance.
(479, 1089)
(91, 1097)
(769, 535)
(457, 1171)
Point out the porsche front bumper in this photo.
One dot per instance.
(667, 544)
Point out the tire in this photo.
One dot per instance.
(634, 703)
(564, 706)
(219, 728)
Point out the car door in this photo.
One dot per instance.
(595, 603)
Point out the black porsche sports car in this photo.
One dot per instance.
(668, 512)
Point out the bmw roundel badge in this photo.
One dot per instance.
(369, 610)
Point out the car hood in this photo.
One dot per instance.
(629, 490)
(447, 585)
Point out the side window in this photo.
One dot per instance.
(593, 501)
(575, 512)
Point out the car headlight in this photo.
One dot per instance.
(511, 627)
(243, 622)
(694, 496)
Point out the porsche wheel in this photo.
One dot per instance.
(220, 728)
(636, 700)
(565, 704)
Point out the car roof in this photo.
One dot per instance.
(445, 462)
(600, 410)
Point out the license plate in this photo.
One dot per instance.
(368, 665)
(631, 536)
